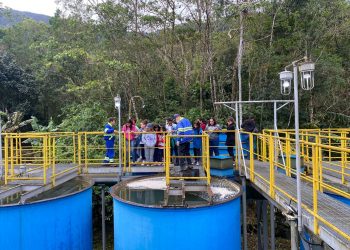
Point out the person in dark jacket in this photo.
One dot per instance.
(230, 137)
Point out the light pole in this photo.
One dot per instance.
(133, 104)
(117, 105)
(307, 83)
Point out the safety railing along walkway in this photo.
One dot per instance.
(323, 215)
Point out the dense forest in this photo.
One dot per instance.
(180, 56)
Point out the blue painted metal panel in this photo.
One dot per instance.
(340, 198)
(142, 228)
(61, 223)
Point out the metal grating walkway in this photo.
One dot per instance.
(332, 210)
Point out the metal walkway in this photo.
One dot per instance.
(330, 209)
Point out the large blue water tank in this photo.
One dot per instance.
(57, 219)
(140, 222)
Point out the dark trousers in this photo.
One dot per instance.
(142, 151)
(158, 155)
(213, 147)
(184, 150)
(230, 148)
(196, 152)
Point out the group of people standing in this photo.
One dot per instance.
(146, 143)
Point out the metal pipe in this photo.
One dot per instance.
(244, 198)
(103, 218)
(257, 101)
(297, 143)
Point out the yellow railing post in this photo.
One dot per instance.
(264, 153)
(343, 157)
(79, 152)
(74, 150)
(272, 167)
(53, 161)
(11, 157)
(318, 160)
(208, 159)
(251, 157)
(45, 160)
(315, 187)
(86, 152)
(167, 163)
(288, 155)
(6, 158)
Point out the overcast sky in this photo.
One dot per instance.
(47, 7)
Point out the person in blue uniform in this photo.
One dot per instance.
(184, 127)
(109, 137)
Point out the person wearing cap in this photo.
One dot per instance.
(172, 130)
(184, 127)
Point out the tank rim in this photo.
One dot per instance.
(89, 182)
(114, 188)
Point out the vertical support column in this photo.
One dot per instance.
(103, 217)
(244, 201)
(259, 230)
(265, 225)
(272, 226)
(293, 235)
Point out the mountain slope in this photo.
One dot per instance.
(9, 17)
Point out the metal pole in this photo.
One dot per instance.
(297, 142)
(293, 235)
(275, 128)
(244, 186)
(120, 142)
(272, 225)
(103, 218)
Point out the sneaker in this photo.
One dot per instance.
(197, 163)
(139, 159)
(143, 163)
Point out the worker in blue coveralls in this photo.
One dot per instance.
(184, 127)
(109, 137)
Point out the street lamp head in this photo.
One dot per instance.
(307, 75)
(286, 82)
(117, 101)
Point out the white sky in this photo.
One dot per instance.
(47, 7)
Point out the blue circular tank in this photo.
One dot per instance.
(60, 218)
(142, 222)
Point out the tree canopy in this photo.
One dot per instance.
(180, 56)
